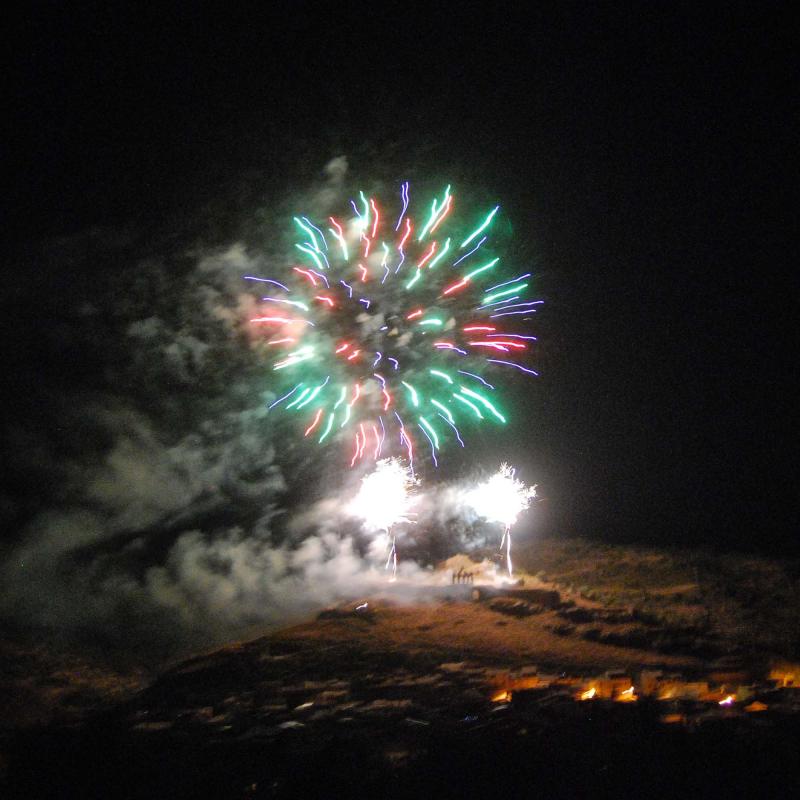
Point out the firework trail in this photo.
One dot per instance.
(384, 500)
(394, 325)
(502, 498)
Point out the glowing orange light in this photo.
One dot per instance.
(341, 348)
(728, 701)
(479, 328)
(364, 273)
(418, 313)
(588, 694)
(353, 355)
(322, 298)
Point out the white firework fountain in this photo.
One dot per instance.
(384, 500)
(502, 498)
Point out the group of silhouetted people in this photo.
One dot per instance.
(462, 576)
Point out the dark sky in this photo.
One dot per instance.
(639, 153)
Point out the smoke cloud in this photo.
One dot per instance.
(154, 501)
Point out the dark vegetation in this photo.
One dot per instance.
(675, 600)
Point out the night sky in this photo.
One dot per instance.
(640, 156)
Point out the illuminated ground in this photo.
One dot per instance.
(449, 694)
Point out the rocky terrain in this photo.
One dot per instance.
(605, 687)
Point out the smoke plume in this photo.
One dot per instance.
(154, 501)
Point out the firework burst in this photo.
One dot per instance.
(392, 326)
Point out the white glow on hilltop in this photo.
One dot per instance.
(502, 498)
(383, 499)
